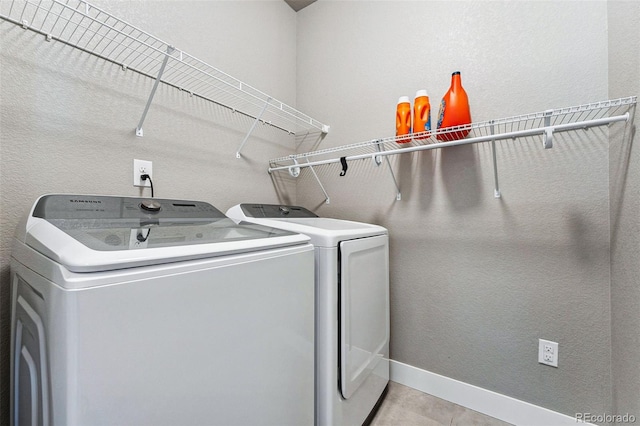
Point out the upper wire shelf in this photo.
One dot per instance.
(91, 29)
(543, 123)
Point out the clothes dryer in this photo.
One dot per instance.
(352, 308)
(126, 311)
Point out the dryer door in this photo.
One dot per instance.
(364, 310)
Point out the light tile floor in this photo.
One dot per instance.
(404, 406)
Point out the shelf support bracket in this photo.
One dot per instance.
(253, 126)
(294, 171)
(139, 131)
(327, 200)
(377, 160)
(547, 137)
(496, 191)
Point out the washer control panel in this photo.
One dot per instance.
(275, 210)
(108, 223)
(109, 207)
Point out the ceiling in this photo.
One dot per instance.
(299, 4)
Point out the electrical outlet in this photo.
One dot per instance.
(141, 167)
(548, 352)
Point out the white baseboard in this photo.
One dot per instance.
(493, 404)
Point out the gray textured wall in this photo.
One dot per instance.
(68, 118)
(624, 160)
(475, 281)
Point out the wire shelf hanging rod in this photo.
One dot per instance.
(501, 136)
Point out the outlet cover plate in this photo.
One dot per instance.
(548, 352)
(141, 167)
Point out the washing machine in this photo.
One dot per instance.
(352, 308)
(158, 312)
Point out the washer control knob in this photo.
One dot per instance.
(284, 210)
(150, 205)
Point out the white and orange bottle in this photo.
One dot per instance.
(403, 119)
(421, 115)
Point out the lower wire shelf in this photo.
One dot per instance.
(544, 123)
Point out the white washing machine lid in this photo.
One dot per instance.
(99, 233)
(324, 232)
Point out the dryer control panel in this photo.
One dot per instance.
(275, 211)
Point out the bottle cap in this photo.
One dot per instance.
(403, 99)
(421, 92)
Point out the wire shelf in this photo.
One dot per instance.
(92, 30)
(543, 123)
(561, 119)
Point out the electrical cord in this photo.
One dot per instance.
(141, 237)
(145, 177)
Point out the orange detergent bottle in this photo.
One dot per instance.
(454, 110)
(421, 114)
(403, 119)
